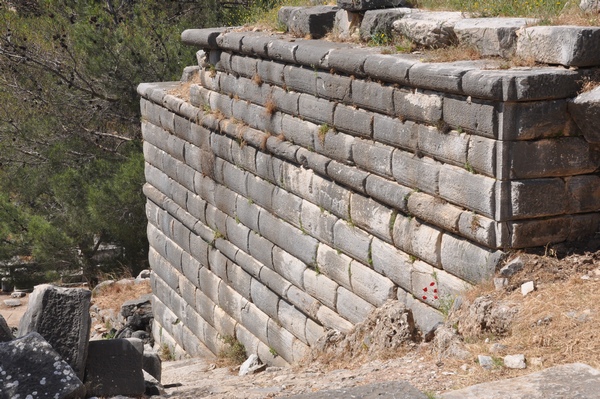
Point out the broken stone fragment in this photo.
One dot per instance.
(61, 316)
(29, 364)
(515, 361)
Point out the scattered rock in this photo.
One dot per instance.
(5, 332)
(591, 6)
(114, 367)
(102, 286)
(498, 348)
(484, 316)
(61, 316)
(527, 287)
(251, 365)
(512, 267)
(447, 344)
(12, 303)
(137, 316)
(536, 361)
(515, 361)
(29, 364)
(152, 364)
(485, 361)
(500, 283)
(144, 275)
(18, 294)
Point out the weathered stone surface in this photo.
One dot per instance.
(491, 36)
(515, 361)
(390, 68)
(381, 21)
(346, 23)
(29, 365)
(362, 5)
(429, 29)
(114, 367)
(585, 110)
(467, 260)
(564, 45)
(314, 21)
(566, 381)
(61, 316)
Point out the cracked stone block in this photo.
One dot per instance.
(491, 36)
(429, 29)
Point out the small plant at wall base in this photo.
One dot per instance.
(233, 352)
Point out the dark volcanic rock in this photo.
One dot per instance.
(5, 333)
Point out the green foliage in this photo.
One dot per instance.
(233, 351)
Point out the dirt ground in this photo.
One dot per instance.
(12, 315)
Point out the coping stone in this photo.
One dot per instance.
(563, 45)
(566, 381)
(314, 21)
(585, 110)
(491, 36)
(381, 21)
(362, 5)
(203, 38)
(429, 28)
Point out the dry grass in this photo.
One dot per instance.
(113, 296)
(451, 54)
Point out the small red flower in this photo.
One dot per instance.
(435, 297)
(432, 283)
(435, 290)
(424, 298)
(425, 289)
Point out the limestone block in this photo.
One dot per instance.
(373, 156)
(164, 270)
(332, 197)
(205, 187)
(317, 222)
(372, 216)
(314, 21)
(282, 50)
(350, 60)
(247, 213)
(388, 192)
(30, 364)
(265, 299)
(271, 72)
(255, 320)
(468, 261)
(353, 121)
(390, 68)
(280, 340)
(416, 105)
(232, 302)
(114, 367)
(284, 149)
(420, 240)
(564, 45)
(403, 134)
(585, 110)
(330, 319)
(373, 96)
(287, 206)
(448, 147)
(218, 263)
(583, 226)
(249, 264)
(347, 175)
(351, 240)
(481, 155)
(291, 268)
(534, 198)
(381, 21)
(412, 171)
(472, 115)
(352, 307)
(255, 44)
(285, 101)
(299, 132)
(61, 316)
(202, 38)
(334, 265)
(370, 285)
(303, 301)
(247, 339)
(346, 23)
(314, 54)
(529, 233)
(334, 87)
(244, 66)
(314, 332)
(317, 110)
(231, 41)
(181, 235)
(209, 284)
(239, 279)
(270, 357)
(445, 76)
(477, 228)
(363, 5)
(584, 193)
(320, 287)
(274, 281)
(335, 145)
(491, 36)
(216, 220)
(435, 210)
(429, 29)
(426, 318)
(260, 191)
(392, 263)
(461, 187)
(292, 320)
(532, 120)
(238, 234)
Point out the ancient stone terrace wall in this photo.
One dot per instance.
(295, 185)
